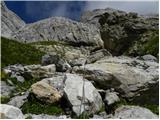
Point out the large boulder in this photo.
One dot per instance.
(129, 76)
(10, 22)
(82, 95)
(133, 112)
(45, 92)
(119, 29)
(10, 112)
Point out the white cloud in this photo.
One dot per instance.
(41, 9)
(141, 7)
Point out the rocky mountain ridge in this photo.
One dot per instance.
(78, 74)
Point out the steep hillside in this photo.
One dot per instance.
(10, 22)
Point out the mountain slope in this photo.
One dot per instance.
(60, 29)
(10, 22)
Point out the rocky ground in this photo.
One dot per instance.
(105, 66)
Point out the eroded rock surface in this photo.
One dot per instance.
(10, 22)
(82, 95)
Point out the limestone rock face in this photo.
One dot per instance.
(45, 92)
(119, 29)
(10, 22)
(10, 112)
(82, 96)
(60, 29)
(134, 112)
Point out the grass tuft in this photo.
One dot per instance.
(37, 107)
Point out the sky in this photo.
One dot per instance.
(32, 11)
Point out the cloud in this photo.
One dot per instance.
(37, 10)
(45, 9)
(141, 7)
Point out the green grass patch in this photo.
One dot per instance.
(148, 43)
(4, 99)
(13, 52)
(153, 108)
(37, 107)
(22, 87)
(152, 46)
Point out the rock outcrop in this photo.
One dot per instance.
(119, 29)
(10, 22)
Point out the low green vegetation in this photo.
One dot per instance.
(37, 107)
(20, 86)
(4, 99)
(84, 115)
(13, 52)
(148, 43)
(152, 46)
